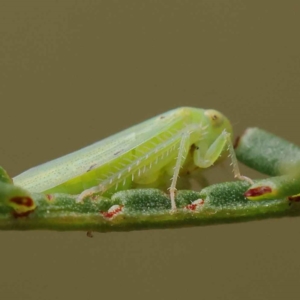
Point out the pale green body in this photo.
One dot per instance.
(177, 141)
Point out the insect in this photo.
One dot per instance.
(154, 151)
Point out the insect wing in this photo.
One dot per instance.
(53, 173)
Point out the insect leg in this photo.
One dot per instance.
(181, 157)
(208, 157)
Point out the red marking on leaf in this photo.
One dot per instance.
(294, 198)
(191, 206)
(24, 201)
(49, 197)
(259, 191)
(194, 205)
(112, 212)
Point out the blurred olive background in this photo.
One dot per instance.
(73, 72)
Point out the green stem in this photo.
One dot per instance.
(145, 209)
(266, 152)
(273, 156)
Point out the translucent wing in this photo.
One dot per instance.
(65, 168)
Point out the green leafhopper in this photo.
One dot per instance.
(155, 151)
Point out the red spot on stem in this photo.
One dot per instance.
(294, 198)
(23, 201)
(191, 206)
(49, 197)
(195, 205)
(112, 212)
(258, 191)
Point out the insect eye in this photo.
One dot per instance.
(215, 117)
